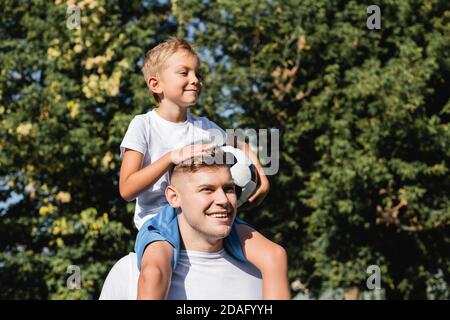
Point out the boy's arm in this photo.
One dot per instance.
(134, 179)
(156, 270)
(264, 187)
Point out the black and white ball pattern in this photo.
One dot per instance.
(243, 172)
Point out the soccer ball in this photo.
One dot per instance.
(243, 172)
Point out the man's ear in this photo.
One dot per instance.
(173, 196)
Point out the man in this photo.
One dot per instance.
(205, 198)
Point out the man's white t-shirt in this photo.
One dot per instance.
(197, 276)
(153, 136)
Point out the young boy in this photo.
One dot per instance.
(166, 136)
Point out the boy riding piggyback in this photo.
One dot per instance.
(164, 137)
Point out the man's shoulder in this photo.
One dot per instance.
(125, 264)
(121, 282)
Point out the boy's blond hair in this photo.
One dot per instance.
(156, 57)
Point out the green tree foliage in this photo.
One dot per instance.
(363, 118)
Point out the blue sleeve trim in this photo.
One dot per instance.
(162, 227)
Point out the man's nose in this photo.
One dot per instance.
(221, 197)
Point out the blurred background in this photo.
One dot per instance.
(363, 116)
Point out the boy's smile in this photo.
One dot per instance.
(179, 82)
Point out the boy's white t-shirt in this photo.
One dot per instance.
(153, 136)
(197, 276)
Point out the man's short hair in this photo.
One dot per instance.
(216, 158)
(156, 57)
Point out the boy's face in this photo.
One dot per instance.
(208, 201)
(179, 82)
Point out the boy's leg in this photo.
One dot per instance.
(271, 260)
(156, 271)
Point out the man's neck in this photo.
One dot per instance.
(171, 112)
(195, 241)
(192, 245)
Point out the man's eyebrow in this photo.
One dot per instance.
(227, 184)
(205, 186)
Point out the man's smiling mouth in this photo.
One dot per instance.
(219, 214)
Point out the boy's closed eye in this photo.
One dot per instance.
(185, 73)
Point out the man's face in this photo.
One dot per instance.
(208, 201)
(179, 79)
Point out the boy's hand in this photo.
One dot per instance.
(192, 150)
(259, 195)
